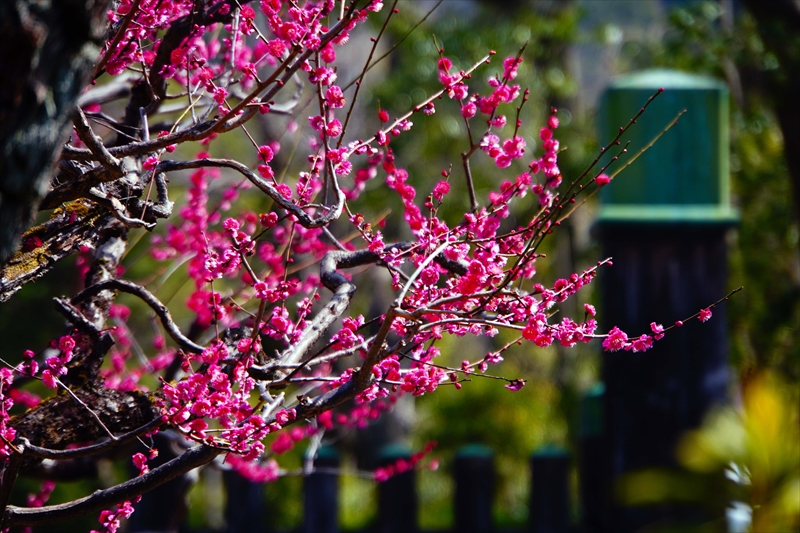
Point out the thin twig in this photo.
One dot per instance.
(375, 42)
(95, 144)
(120, 33)
(420, 106)
(396, 44)
(333, 212)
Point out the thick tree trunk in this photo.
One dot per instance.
(47, 51)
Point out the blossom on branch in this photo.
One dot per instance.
(266, 345)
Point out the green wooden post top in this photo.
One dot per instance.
(470, 451)
(328, 453)
(592, 411)
(549, 451)
(684, 177)
(393, 452)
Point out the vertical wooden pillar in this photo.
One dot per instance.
(475, 478)
(245, 507)
(595, 494)
(321, 494)
(549, 507)
(397, 496)
(664, 221)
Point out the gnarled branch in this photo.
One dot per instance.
(102, 499)
(302, 217)
(148, 298)
(84, 451)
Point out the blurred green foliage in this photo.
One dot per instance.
(467, 32)
(512, 425)
(748, 455)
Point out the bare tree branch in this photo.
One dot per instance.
(333, 212)
(36, 516)
(84, 451)
(95, 144)
(71, 226)
(148, 298)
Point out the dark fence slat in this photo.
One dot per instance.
(397, 496)
(475, 479)
(162, 509)
(594, 473)
(549, 504)
(245, 510)
(321, 494)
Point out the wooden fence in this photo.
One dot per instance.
(474, 478)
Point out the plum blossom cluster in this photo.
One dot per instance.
(7, 433)
(40, 498)
(57, 364)
(214, 396)
(616, 339)
(111, 519)
(259, 472)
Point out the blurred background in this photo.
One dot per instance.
(737, 464)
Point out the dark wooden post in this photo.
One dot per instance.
(474, 477)
(549, 508)
(664, 223)
(321, 494)
(397, 496)
(595, 492)
(245, 510)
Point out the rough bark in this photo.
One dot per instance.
(47, 51)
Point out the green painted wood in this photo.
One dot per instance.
(685, 176)
(592, 411)
(474, 450)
